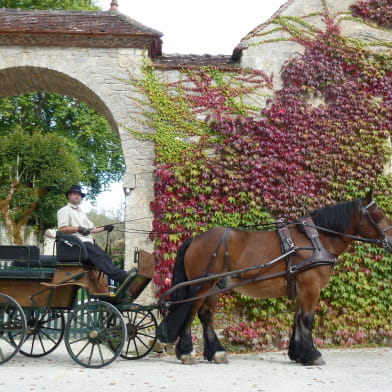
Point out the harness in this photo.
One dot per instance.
(320, 257)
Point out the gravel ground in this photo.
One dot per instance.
(348, 370)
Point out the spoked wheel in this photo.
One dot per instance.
(45, 330)
(95, 334)
(12, 327)
(141, 330)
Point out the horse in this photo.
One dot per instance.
(266, 264)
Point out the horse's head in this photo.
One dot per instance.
(374, 223)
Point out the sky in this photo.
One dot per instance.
(191, 27)
(198, 26)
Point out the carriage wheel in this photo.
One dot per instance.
(95, 334)
(45, 330)
(12, 327)
(141, 330)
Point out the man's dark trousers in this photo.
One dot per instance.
(102, 261)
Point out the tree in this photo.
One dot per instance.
(33, 168)
(51, 4)
(88, 135)
(86, 148)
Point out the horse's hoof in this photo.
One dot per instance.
(220, 357)
(188, 359)
(317, 362)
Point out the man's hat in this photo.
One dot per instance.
(75, 188)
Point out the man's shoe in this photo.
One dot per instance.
(130, 274)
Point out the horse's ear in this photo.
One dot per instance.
(369, 196)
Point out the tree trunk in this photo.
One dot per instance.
(16, 229)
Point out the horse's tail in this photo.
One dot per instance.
(179, 275)
(170, 327)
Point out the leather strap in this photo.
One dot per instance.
(321, 256)
(287, 244)
(223, 239)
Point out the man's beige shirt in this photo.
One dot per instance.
(71, 215)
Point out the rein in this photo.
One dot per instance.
(321, 257)
(208, 277)
(365, 213)
(354, 237)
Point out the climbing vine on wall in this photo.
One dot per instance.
(322, 138)
(378, 11)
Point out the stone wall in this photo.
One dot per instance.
(100, 78)
(269, 46)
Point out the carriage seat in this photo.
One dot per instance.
(70, 249)
(23, 262)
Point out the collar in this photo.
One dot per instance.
(73, 206)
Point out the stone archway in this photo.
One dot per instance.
(89, 56)
(27, 79)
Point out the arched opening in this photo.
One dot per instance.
(98, 143)
(27, 79)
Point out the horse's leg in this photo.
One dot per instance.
(294, 349)
(184, 347)
(213, 350)
(302, 348)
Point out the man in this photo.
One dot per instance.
(72, 220)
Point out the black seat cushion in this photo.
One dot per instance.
(70, 248)
(19, 252)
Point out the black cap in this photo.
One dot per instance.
(75, 188)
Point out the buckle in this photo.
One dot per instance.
(290, 243)
(293, 269)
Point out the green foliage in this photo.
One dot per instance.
(69, 143)
(180, 110)
(87, 134)
(42, 160)
(244, 170)
(355, 307)
(51, 4)
(172, 117)
(34, 170)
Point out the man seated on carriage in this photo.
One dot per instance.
(71, 219)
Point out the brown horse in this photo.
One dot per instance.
(252, 264)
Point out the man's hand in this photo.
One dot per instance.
(109, 228)
(83, 230)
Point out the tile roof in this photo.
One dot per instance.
(77, 24)
(71, 22)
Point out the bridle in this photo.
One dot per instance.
(365, 215)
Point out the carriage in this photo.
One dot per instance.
(293, 259)
(42, 303)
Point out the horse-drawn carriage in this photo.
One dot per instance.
(37, 292)
(287, 258)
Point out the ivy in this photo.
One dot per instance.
(359, 289)
(378, 11)
(322, 138)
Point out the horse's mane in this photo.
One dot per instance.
(336, 217)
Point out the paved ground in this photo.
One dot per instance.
(347, 370)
